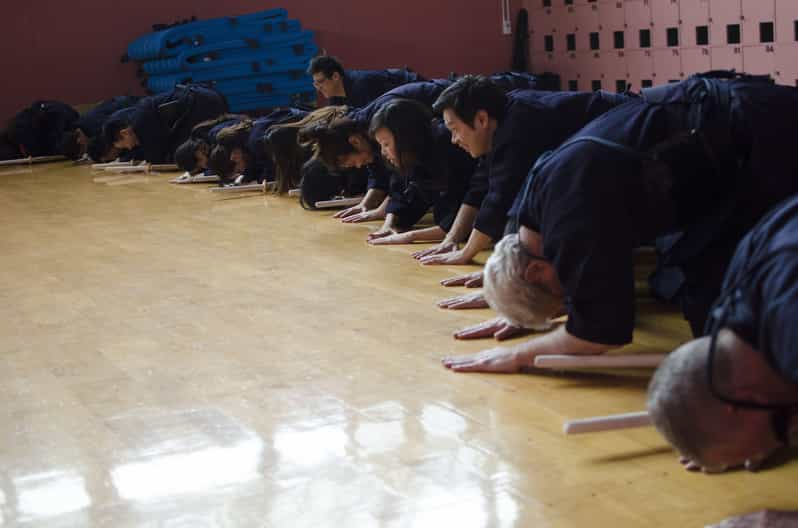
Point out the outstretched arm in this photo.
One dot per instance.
(388, 228)
(460, 230)
(514, 358)
(469, 280)
(464, 301)
(417, 235)
(499, 328)
(476, 243)
(372, 199)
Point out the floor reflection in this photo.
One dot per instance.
(50, 494)
(186, 452)
(383, 437)
(311, 447)
(198, 472)
(168, 362)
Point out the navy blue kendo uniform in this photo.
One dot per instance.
(705, 157)
(210, 135)
(510, 81)
(260, 166)
(534, 122)
(364, 86)
(425, 92)
(91, 122)
(759, 296)
(439, 180)
(164, 121)
(38, 129)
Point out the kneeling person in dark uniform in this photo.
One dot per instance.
(160, 123)
(36, 130)
(506, 132)
(705, 157)
(731, 398)
(75, 142)
(355, 88)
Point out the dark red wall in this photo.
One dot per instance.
(70, 51)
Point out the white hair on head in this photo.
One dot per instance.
(520, 302)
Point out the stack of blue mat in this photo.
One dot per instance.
(257, 61)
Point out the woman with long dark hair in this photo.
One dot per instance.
(343, 143)
(425, 169)
(430, 172)
(295, 165)
(193, 154)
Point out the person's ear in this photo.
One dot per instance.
(335, 77)
(481, 119)
(534, 270)
(356, 141)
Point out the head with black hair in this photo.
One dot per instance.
(288, 153)
(328, 76)
(99, 151)
(342, 143)
(233, 140)
(402, 128)
(192, 155)
(318, 183)
(73, 144)
(220, 164)
(280, 143)
(472, 109)
(118, 132)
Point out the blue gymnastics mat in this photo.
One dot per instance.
(170, 42)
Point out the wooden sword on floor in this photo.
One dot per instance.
(30, 160)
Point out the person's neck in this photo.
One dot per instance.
(339, 91)
(493, 126)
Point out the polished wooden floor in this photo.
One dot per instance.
(175, 358)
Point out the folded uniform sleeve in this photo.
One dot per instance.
(409, 200)
(379, 177)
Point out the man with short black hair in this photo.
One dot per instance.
(507, 132)
(355, 88)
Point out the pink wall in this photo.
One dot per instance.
(70, 50)
(661, 62)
